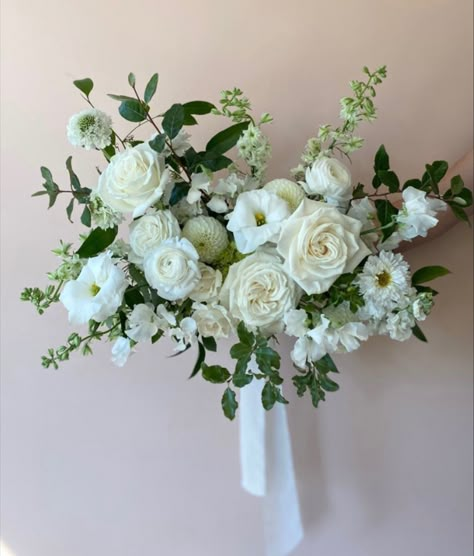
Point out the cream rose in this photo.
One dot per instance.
(209, 285)
(319, 244)
(258, 291)
(212, 320)
(329, 178)
(134, 180)
(172, 268)
(150, 230)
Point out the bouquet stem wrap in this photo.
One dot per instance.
(267, 469)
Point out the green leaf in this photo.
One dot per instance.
(86, 217)
(425, 289)
(96, 242)
(386, 213)
(69, 209)
(227, 138)
(133, 297)
(108, 152)
(269, 395)
(158, 143)
(209, 343)
(122, 98)
(238, 351)
(457, 185)
(416, 183)
(199, 107)
(180, 190)
(150, 88)
(212, 161)
(84, 85)
(390, 179)
(459, 213)
(215, 374)
(189, 120)
(328, 384)
(200, 360)
(131, 79)
(241, 379)
(267, 358)
(418, 333)
(434, 174)
(358, 192)
(326, 364)
(317, 393)
(173, 120)
(382, 161)
(229, 403)
(246, 337)
(133, 111)
(75, 183)
(428, 273)
(51, 187)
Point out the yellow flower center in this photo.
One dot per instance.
(383, 279)
(260, 218)
(95, 289)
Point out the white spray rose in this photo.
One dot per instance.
(319, 244)
(212, 320)
(208, 286)
(150, 230)
(97, 292)
(259, 292)
(134, 180)
(329, 178)
(172, 268)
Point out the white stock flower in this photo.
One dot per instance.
(150, 230)
(135, 179)
(418, 213)
(185, 334)
(199, 183)
(96, 293)
(257, 219)
(208, 287)
(259, 292)
(212, 320)
(208, 236)
(399, 325)
(254, 147)
(422, 305)
(91, 129)
(172, 268)
(329, 178)
(318, 244)
(287, 190)
(142, 323)
(295, 322)
(121, 351)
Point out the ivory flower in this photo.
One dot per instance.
(150, 230)
(329, 178)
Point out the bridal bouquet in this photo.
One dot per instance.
(211, 249)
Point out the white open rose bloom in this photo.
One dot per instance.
(149, 231)
(212, 320)
(97, 292)
(135, 179)
(172, 268)
(318, 244)
(259, 292)
(257, 219)
(329, 178)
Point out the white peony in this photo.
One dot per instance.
(418, 213)
(259, 292)
(172, 268)
(142, 323)
(212, 320)
(208, 236)
(208, 287)
(121, 351)
(150, 230)
(287, 190)
(329, 178)
(135, 179)
(97, 292)
(91, 129)
(257, 219)
(318, 244)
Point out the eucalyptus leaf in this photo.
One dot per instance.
(84, 85)
(150, 88)
(132, 110)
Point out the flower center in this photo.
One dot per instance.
(95, 289)
(383, 279)
(86, 122)
(260, 219)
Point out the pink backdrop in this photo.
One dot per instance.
(98, 460)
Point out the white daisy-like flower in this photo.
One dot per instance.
(208, 236)
(90, 129)
(384, 283)
(287, 190)
(102, 215)
(256, 219)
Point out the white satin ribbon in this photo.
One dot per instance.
(267, 468)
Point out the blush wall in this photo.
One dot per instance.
(98, 460)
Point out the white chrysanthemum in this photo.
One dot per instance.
(208, 236)
(209, 285)
(102, 215)
(384, 283)
(256, 219)
(254, 147)
(150, 230)
(287, 190)
(121, 351)
(91, 129)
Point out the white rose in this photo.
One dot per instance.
(134, 180)
(212, 320)
(319, 244)
(259, 292)
(172, 268)
(97, 292)
(329, 178)
(150, 230)
(209, 285)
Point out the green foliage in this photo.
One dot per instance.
(84, 85)
(150, 88)
(96, 242)
(418, 333)
(131, 80)
(180, 190)
(386, 213)
(173, 120)
(215, 374)
(229, 403)
(315, 380)
(428, 273)
(199, 361)
(234, 105)
(133, 110)
(158, 143)
(227, 138)
(51, 188)
(209, 343)
(41, 299)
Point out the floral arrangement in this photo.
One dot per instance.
(213, 249)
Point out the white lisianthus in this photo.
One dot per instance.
(295, 322)
(212, 320)
(97, 292)
(135, 179)
(121, 351)
(90, 129)
(257, 219)
(172, 268)
(142, 323)
(329, 178)
(199, 183)
(287, 190)
(150, 230)
(318, 244)
(418, 213)
(208, 236)
(185, 334)
(259, 292)
(208, 287)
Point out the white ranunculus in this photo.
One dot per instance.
(142, 323)
(134, 180)
(259, 292)
(172, 268)
(418, 213)
(257, 219)
(329, 178)
(121, 351)
(150, 230)
(97, 292)
(208, 287)
(212, 320)
(318, 244)
(295, 322)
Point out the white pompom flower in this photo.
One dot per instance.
(90, 129)
(208, 236)
(287, 190)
